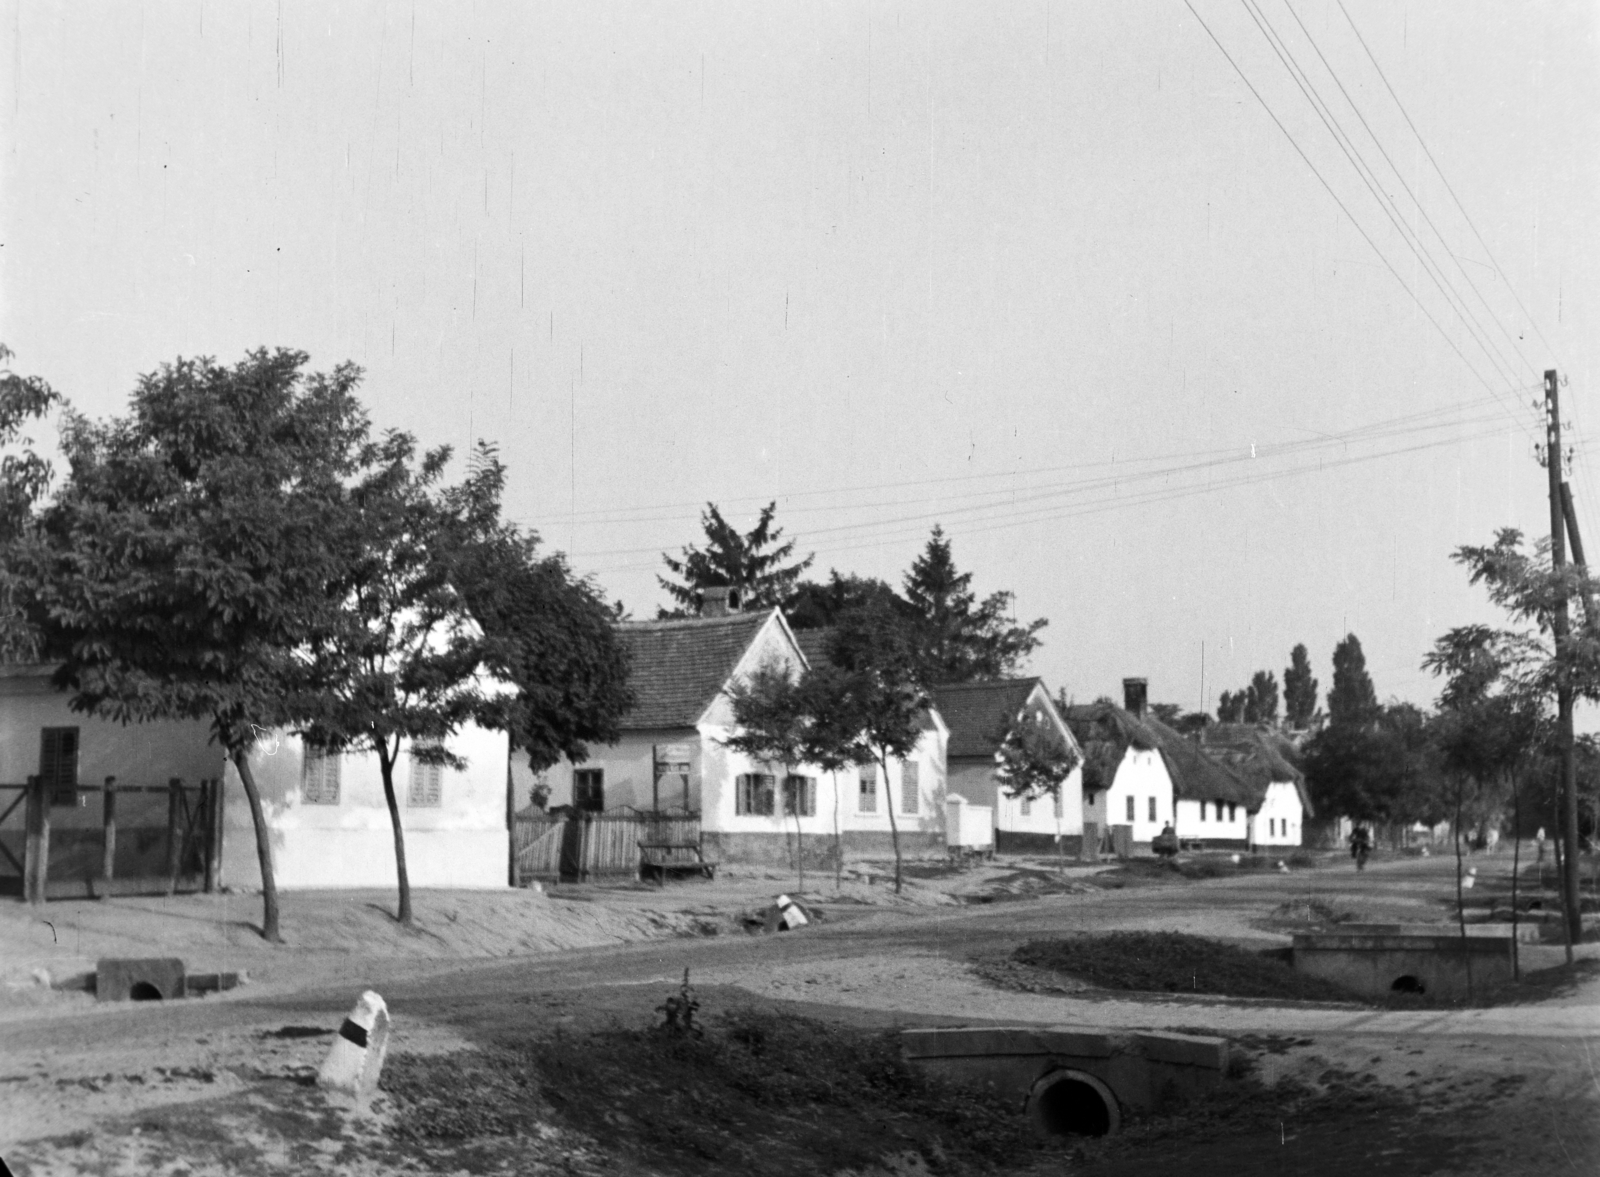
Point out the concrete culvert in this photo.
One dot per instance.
(1072, 1103)
(1408, 984)
(144, 991)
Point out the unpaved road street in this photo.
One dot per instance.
(69, 1072)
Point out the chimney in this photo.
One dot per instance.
(719, 602)
(1135, 696)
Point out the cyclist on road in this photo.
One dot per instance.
(1360, 846)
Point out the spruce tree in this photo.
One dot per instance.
(955, 637)
(752, 563)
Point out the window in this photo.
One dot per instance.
(755, 794)
(910, 788)
(589, 789)
(427, 783)
(319, 777)
(1152, 809)
(1233, 812)
(1027, 806)
(671, 784)
(1130, 810)
(867, 799)
(800, 796)
(1058, 804)
(58, 764)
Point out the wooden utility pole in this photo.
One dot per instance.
(1570, 898)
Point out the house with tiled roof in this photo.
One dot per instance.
(673, 754)
(980, 715)
(1264, 758)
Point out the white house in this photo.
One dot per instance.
(1126, 780)
(673, 753)
(979, 716)
(1263, 758)
(329, 821)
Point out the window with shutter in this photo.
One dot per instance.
(589, 789)
(1130, 809)
(1152, 809)
(1027, 806)
(867, 798)
(319, 777)
(58, 764)
(755, 794)
(426, 789)
(800, 796)
(910, 788)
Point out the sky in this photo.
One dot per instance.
(1194, 370)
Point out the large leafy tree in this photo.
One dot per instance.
(1256, 703)
(1381, 770)
(955, 637)
(185, 563)
(24, 478)
(833, 738)
(819, 604)
(883, 696)
(402, 665)
(544, 631)
(757, 564)
(771, 723)
(1299, 689)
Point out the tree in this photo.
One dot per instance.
(770, 714)
(185, 562)
(1531, 590)
(545, 632)
(1262, 704)
(402, 663)
(1351, 699)
(1231, 705)
(753, 563)
(1033, 760)
(817, 605)
(955, 637)
(833, 739)
(24, 477)
(884, 695)
(1378, 771)
(1299, 689)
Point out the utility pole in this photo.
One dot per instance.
(1568, 834)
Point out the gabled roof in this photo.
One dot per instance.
(1261, 755)
(1106, 732)
(980, 713)
(677, 668)
(813, 644)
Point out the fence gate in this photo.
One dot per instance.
(148, 839)
(575, 847)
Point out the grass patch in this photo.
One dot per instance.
(1172, 962)
(757, 1092)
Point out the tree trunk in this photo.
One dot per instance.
(1566, 928)
(1516, 848)
(386, 767)
(838, 840)
(797, 795)
(1461, 911)
(894, 828)
(258, 818)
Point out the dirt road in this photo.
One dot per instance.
(908, 965)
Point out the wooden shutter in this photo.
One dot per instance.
(910, 787)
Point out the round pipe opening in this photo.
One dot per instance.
(1408, 984)
(144, 991)
(1072, 1103)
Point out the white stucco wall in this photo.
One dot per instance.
(1141, 776)
(136, 754)
(462, 842)
(1198, 819)
(1278, 821)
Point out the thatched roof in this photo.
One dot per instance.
(1260, 755)
(1106, 732)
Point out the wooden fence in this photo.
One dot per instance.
(574, 847)
(182, 854)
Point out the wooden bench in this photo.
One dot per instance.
(662, 857)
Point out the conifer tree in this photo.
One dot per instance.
(752, 563)
(1299, 689)
(954, 636)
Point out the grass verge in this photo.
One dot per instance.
(1172, 962)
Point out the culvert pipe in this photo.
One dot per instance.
(1067, 1102)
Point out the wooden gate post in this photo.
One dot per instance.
(214, 834)
(36, 849)
(174, 801)
(108, 860)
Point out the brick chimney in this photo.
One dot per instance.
(1135, 696)
(719, 602)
